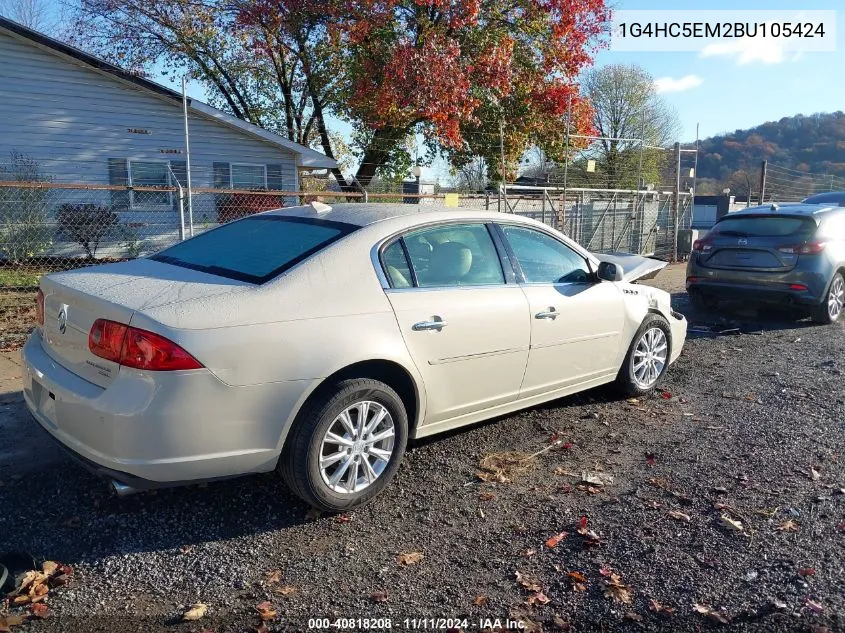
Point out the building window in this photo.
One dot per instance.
(149, 174)
(246, 176)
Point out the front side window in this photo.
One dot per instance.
(149, 174)
(255, 249)
(248, 176)
(454, 255)
(545, 260)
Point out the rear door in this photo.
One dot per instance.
(761, 243)
(466, 329)
(576, 320)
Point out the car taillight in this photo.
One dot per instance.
(702, 246)
(806, 248)
(140, 349)
(39, 307)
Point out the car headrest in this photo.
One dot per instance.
(450, 261)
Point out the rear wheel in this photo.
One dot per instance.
(829, 310)
(647, 358)
(700, 301)
(346, 447)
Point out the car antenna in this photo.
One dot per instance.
(775, 206)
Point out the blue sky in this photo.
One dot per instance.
(725, 95)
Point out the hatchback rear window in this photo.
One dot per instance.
(765, 226)
(257, 248)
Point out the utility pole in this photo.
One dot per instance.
(764, 167)
(504, 170)
(676, 201)
(188, 159)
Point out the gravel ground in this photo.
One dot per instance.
(748, 426)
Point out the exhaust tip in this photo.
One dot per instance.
(122, 490)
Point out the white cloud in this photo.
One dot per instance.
(748, 50)
(670, 84)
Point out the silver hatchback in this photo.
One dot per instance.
(791, 255)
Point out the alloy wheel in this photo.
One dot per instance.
(836, 298)
(357, 447)
(649, 357)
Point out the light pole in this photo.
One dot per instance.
(417, 171)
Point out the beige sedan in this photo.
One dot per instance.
(318, 340)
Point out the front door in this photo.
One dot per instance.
(576, 321)
(465, 328)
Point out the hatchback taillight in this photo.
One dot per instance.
(140, 349)
(39, 307)
(805, 248)
(702, 246)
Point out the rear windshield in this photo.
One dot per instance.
(255, 249)
(765, 226)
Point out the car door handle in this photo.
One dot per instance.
(551, 313)
(435, 324)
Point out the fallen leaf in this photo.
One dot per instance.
(589, 489)
(656, 607)
(343, 518)
(538, 598)
(186, 549)
(480, 601)
(552, 542)
(529, 553)
(680, 516)
(50, 567)
(632, 401)
(409, 558)
(195, 612)
(262, 628)
(706, 611)
(616, 589)
(596, 479)
(578, 581)
(285, 590)
(815, 607)
(665, 395)
(605, 571)
(379, 596)
(486, 496)
(39, 610)
(273, 577)
(582, 523)
(563, 472)
(751, 397)
(732, 523)
(266, 610)
(807, 571)
(814, 474)
(650, 459)
(635, 617)
(528, 582)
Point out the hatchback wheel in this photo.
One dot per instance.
(345, 448)
(831, 307)
(647, 358)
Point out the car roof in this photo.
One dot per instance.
(367, 213)
(827, 197)
(793, 209)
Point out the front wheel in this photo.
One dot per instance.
(647, 358)
(346, 447)
(829, 310)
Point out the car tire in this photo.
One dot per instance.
(631, 379)
(831, 307)
(306, 463)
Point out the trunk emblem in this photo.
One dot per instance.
(61, 320)
(742, 241)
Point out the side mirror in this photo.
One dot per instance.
(610, 272)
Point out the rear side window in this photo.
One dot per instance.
(454, 255)
(766, 226)
(255, 249)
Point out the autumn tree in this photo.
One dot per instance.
(627, 106)
(451, 70)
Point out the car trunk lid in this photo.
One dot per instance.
(73, 300)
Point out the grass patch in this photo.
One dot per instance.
(11, 278)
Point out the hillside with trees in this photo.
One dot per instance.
(812, 145)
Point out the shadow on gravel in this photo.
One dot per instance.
(57, 510)
(735, 317)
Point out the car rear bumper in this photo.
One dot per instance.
(152, 429)
(801, 287)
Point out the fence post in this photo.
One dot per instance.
(763, 169)
(676, 201)
(181, 213)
